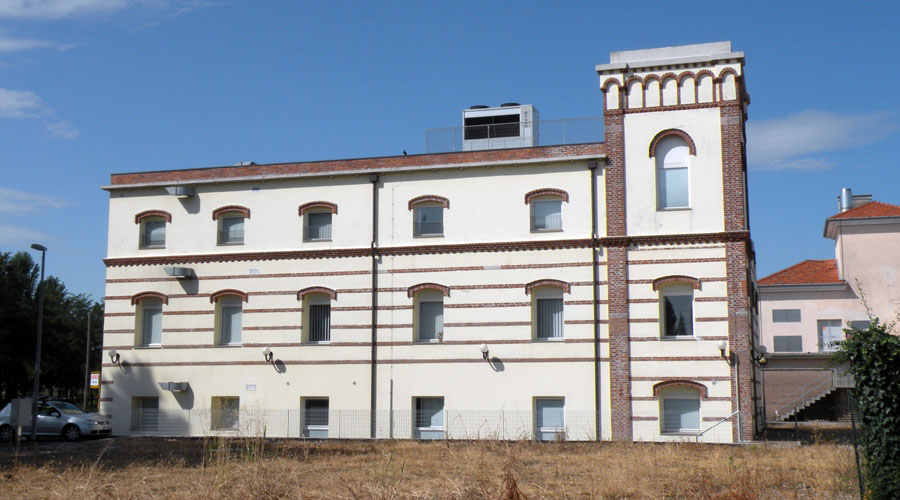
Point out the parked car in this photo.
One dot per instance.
(57, 418)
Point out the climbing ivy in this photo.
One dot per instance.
(873, 358)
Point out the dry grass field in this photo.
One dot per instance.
(138, 468)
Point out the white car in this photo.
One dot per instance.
(57, 418)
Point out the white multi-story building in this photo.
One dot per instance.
(597, 290)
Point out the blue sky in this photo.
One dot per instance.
(91, 87)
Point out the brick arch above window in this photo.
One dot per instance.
(728, 71)
(317, 205)
(226, 292)
(666, 280)
(563, 195)
(567, 288)
(669, 133)
(427, 286)
(146, 214)
(149, 295)
(229, 209)
(429, 198)
(317, 289)
(608, 82)
(704, 392)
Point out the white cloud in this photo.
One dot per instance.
(55, 9)
(796, 142)
(15, 202)
(15, 235)
(11, 44)
(63, 129)
(19, 104)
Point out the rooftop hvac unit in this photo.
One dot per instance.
(511, 125)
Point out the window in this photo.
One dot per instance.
(676, 310)
(680, 408)
(429, 320)
(225, 413)
(230, 319)
(144, 414)
(788, 343)
(862, 324)
(549, 419)
(153, 232)
(546, 214)
(317, 226)
(672, 178)
(429, 418)
(429, 220)
(231, 230)
(315, 417)
(785, 315)
(149, 321)
(547, 306)
(830, 332)
(317, 318)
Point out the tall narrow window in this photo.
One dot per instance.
(549, 419)
(429, 220)
(547, 312)
(153, 233)
(317, 318)
(230, 320)
(676, 315)
(150, 322)
(429, 418)
(830, 333)
(429, 316)
(672, 175)
(318, 226)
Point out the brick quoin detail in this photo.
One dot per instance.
(231, 209)
(665, 280)
(669, 133)
(566, 287)
(228, 291)
(317, 289)
(684, 383)
(427, 286)
(313, 205)
(166, 216)
(429, 198)
(143, 295)
(563, 195)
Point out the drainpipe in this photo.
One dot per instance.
(372, 404)
(592, 169)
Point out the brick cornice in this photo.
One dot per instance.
(510, 246)
(427, 286)
(429, 198)
(327, 205)
(317, 289)
(231, 209)
(152, 213)
(674, 239)
(563, 195)
(143, 295)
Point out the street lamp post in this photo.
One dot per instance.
(37, 352)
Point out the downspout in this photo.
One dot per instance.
(374, 340)
(592, 169)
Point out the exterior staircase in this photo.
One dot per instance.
(789, 405)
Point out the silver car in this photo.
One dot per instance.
(58, 418)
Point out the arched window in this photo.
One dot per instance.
(546, 208)
(429, 315)
(230, 224)
(229, 316)
(547, 308)
(316, 321)
(148, 321)
(428, 215)
(672, 173)
(152, 228)
(679, 409)
(676, 310)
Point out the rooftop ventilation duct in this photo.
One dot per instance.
(173, 386)
(180, 191)
(180, 272)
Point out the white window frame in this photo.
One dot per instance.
(220, 229)
(541, 200)
(820, 334)
(417, 231)
(315, 299)
(144, 305)
(547, 292)
(144, 236)
(672, 153)
(230, 302)
(675, 290)
(306, 219)
(431, 430)
(428, 296)
(679, 393)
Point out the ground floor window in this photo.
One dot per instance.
(315, 417)
(680, 414)
(225, 413)
(145, 414)
(429, 418)
(549, 419)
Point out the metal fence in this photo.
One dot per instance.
(398, 424)
(540, 133)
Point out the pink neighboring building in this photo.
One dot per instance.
(805, 308)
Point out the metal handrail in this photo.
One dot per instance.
(713, 426)
(801, 396)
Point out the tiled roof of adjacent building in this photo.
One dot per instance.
(870, 209)
(808, 272)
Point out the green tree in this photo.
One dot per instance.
(873, 358)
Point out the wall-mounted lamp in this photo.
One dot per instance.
(723, 346)
(268, 354)
(759, 355)
(114, 356)
(484, 351)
